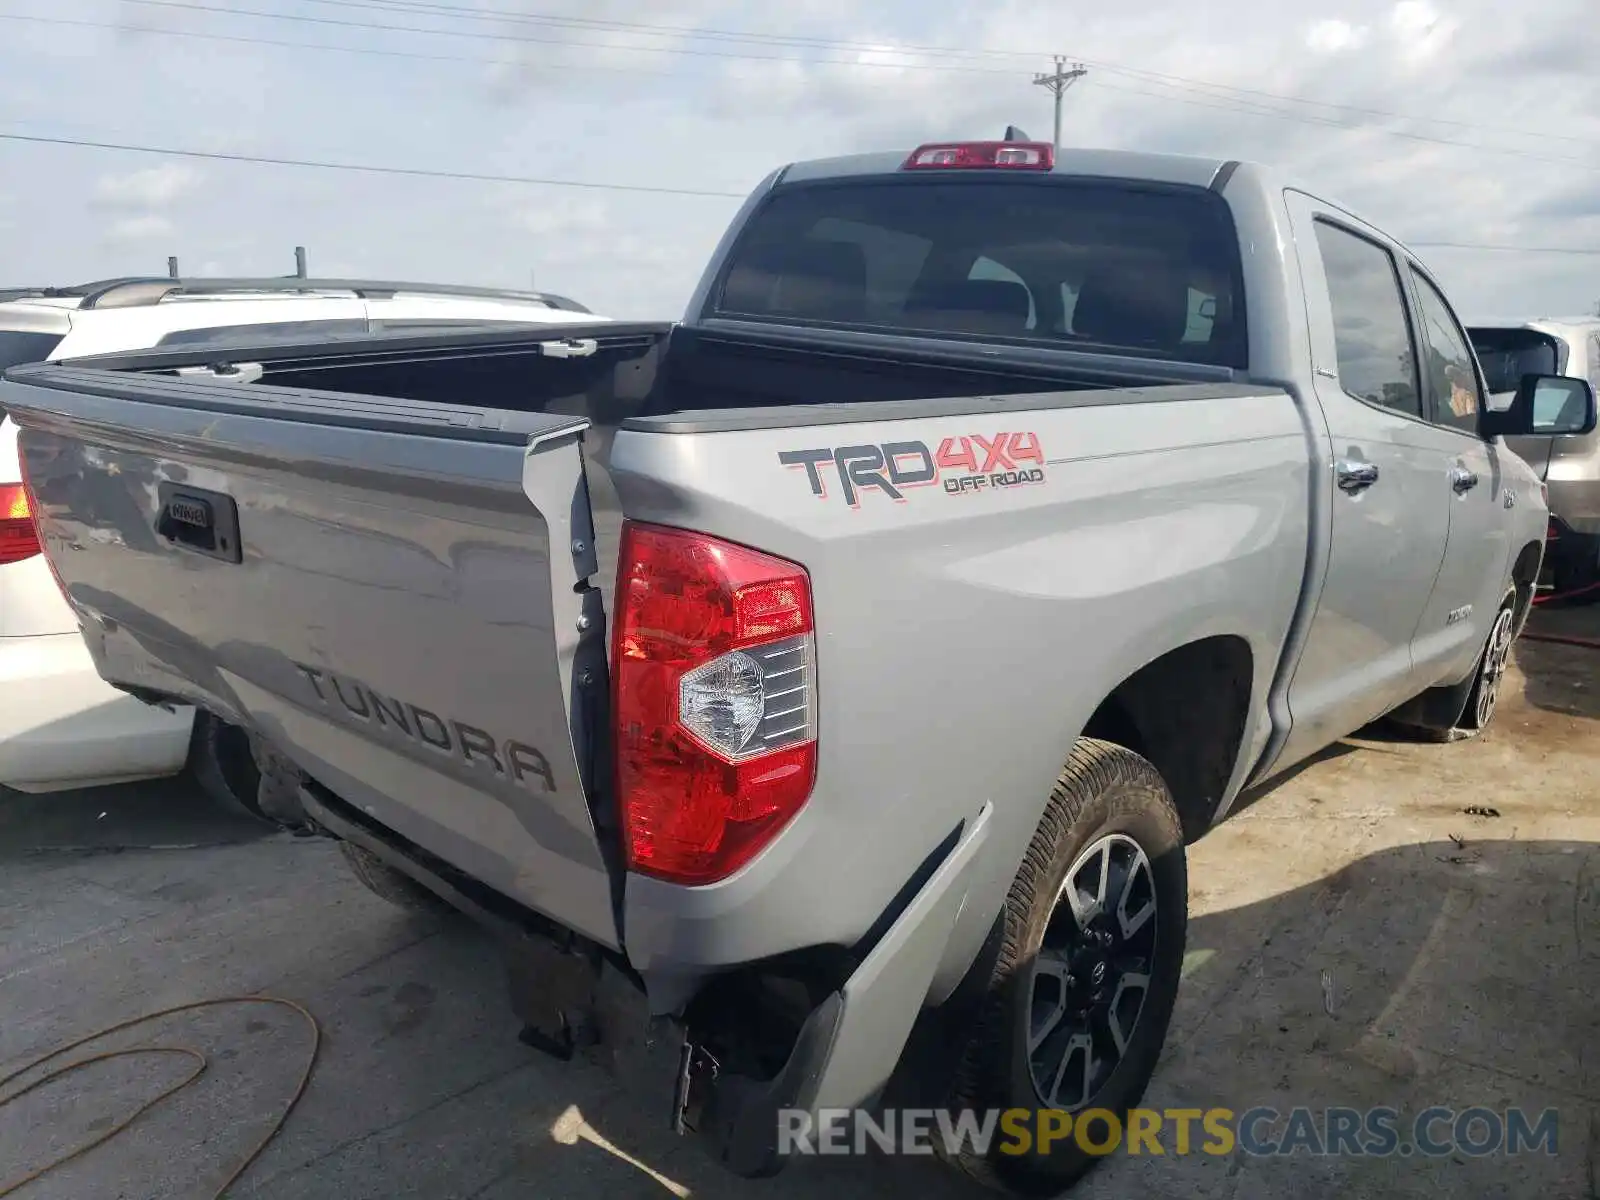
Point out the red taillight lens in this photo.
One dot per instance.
(19, 537)
(713, 664)
(958, 156)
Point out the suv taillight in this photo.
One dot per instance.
(30, 507)
(713, 666)
(19, 537)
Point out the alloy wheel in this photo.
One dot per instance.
(1092, 974)
(1496, 656)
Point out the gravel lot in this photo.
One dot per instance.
(1358, 939)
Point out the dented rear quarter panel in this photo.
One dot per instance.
(965, 636)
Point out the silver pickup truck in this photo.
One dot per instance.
(843, 669)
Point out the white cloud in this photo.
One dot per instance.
(141, 228)
(1335, 37)
(1411, 18)
(885, 56)
(1420, 30)
(555, 217)
(153, 187)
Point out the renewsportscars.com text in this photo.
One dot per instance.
(1433, 1132)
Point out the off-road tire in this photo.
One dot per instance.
(1104, 789)
(398, 888)
(220, 762)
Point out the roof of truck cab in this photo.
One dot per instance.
(1113, 164)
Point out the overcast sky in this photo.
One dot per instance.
(1440, 120)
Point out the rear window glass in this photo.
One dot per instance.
(1506, 355)
(1120, 267)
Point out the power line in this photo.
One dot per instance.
(363, 168)
(153, 31)
(1223, 103)
(1206, 87)
(1308, 119)
(484, 177)
(476, 35)
(1508, 249)
(439, 9)
(472, 59)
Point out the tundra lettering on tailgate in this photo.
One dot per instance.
(520, 762)
(962, 465)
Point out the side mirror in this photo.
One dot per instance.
(1543, 406)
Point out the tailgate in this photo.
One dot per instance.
(394, 593)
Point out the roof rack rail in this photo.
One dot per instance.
(70, 291)
(137, 292)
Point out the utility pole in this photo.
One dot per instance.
(1058, 83)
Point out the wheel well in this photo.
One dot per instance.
(1184, 712)
(1525, 574)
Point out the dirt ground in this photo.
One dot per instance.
(1358, 938)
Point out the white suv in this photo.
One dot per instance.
(61, 726)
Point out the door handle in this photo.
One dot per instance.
(1462, 480)
(1355, 476)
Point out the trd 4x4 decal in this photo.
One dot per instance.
(961, 464)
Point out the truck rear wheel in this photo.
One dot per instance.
(398, 888)
(1080, 998)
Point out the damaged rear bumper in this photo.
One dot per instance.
(846, 1048)
(849, 1045)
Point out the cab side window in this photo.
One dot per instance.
(1449, 371)
(1371, 333)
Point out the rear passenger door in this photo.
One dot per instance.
(1386, 496)
(1466, 597)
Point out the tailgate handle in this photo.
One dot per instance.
(200, 520)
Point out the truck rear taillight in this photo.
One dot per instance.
(958, 156)
(19, 537)
(713, 665)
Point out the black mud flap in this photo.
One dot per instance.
(738, 1117)
(567, 992)
(553, 989)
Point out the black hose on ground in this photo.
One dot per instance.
(200, 1064)
(1563, 639)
